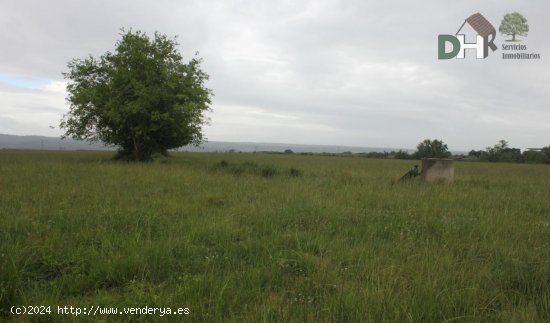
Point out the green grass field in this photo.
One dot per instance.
(273, 238)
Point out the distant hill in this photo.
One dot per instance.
(47, 143)
(55, 143)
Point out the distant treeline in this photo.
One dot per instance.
(500, 152)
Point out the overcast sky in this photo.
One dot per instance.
(361, 73)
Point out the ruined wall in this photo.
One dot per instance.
(436, 169)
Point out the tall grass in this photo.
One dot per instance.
(274, 238)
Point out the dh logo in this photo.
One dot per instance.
(486, 34)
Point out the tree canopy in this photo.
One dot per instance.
(142, 98)
(514, 24)
(432, 149)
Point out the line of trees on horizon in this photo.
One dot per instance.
(500, 152)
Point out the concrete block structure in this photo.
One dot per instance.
(437, 169)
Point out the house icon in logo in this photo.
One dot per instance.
(486, 34)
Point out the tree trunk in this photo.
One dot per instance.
(136, 151)
(513, 37)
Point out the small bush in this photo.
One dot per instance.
(248, 168)
(294, 172)
(268, 171)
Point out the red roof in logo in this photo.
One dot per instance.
(481, 25)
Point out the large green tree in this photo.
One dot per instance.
(514, 24)
(432, 149)
(142, 98)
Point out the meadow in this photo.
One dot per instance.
(272, 238)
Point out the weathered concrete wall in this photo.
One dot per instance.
(436, 169)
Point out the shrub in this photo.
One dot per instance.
(268, 171)
(294, 172)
